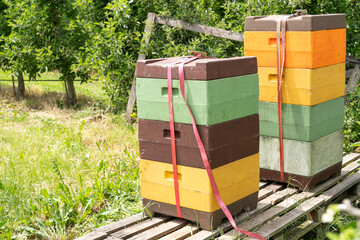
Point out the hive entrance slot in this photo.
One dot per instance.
(166, 134)
(175, 91)
(273, 78)
(170, 175)
(272, 42)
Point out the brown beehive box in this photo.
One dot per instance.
(224, 142)
(300, 23)
(201, 69)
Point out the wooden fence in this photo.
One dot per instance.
(152, 19)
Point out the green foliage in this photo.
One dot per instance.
(344, 227)
(116, 47)
(352, 122)
(103, 38)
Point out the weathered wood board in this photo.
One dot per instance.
(279, 206)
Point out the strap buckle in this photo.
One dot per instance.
(299, 12)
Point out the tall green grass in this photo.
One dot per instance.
(64, 171)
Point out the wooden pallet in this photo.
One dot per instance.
(279, 206)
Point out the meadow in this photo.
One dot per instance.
(63, 171)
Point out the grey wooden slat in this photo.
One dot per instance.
(123, 223)
(340, 188)
(263, 184)
(246, 216)
(182, 233)
(94, 236)
(149, 27)
(270, 189)
(112, 238)
(354, 80)
(300, 230)
(160, 230)
(350, 158)
(274, 227)
(268, 215)
(216, 32)
(141, 227)
(270, 229)
(350, 168)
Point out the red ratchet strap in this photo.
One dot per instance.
(172, 131)
(280, 67)
(281, 41)
(202, 150)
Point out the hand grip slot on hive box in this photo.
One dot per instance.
(164, 92)
(273, 78)
(166, 134)
(273, 42)
(170, 176)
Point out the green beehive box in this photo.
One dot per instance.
(303, 123)
(305, 163)
(217, 90)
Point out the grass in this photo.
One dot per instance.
(63, 171)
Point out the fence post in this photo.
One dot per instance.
(149, 27)
(352, 83)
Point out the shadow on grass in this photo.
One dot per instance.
(38, 98)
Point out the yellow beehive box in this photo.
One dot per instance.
(306, 87)
(235, 181)
(304, 49)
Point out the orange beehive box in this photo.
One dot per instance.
(312, 41)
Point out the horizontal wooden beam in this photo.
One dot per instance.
(216, 32)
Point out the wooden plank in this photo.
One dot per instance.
(300, 230)
(353, 82)
(274, 227)
(112, 238)
(277, 225)
(268, 215)
(263, 184)
(340, 188)
(149, 27)
(348, 73)
(349, 166)
(216, 32)
(261, 207)
(141, 227)
(182, 233)
(350, 158)
(94, 236)
(161, 230)
(270, 189)
(103, 231)
(121, 224)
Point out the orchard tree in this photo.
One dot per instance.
(21, 43)
(48, 35)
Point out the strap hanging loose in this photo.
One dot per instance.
(205, 158)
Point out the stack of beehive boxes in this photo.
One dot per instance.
(223, 97)
(313, 86)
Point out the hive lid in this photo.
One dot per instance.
(299, 23)
(200, 69)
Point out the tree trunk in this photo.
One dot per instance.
(13, 82)
(70, 93)
(21, 86)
